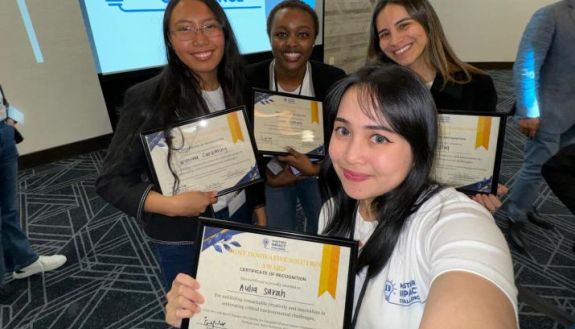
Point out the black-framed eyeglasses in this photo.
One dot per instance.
(187, 32)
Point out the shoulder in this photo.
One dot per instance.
(330, 70)
(258, 74)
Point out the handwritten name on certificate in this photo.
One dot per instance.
(282, 120)
(212, 154)
(252, 280)
(466, 151)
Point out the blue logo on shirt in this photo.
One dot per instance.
(406, 293)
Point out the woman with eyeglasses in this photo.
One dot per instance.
(429, 256)
(203, 75)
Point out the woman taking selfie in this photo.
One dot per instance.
(203, 75)
(429, 256)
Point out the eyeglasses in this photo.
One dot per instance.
(187, 32)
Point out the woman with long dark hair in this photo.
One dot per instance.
(203, 75)
(429, 256)
(409, 33)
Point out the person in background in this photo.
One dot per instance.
(16, 254)
(204, 74)
(293, 27)
(544, 81)
(411, 231)
(559, 173)
(409, 33)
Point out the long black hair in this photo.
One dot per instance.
(175, 93)
(398, 96)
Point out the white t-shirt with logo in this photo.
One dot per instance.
(450, 232)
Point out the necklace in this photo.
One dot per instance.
(276, 84)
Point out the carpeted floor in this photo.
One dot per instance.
(111, 278)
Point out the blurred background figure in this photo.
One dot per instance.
(544, 81)
(16, 254)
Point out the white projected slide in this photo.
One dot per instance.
(126, 35)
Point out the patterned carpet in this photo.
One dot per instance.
(111, 278)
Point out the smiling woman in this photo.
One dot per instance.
(203, 75)
(292, 27)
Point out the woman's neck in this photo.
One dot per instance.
(209, 82)
(289, 80)
(424, 70)
(366, 211)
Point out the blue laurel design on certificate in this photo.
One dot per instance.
(251, 176)
(220, 239)
(263, 98)
(481, 186)
(156, 139)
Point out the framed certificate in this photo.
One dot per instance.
(211, 153)
(469, 150)
(254, 277)
(282, 120)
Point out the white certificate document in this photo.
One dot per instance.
(467, 151)
(258, 280)
(282, 120)
(214, 153)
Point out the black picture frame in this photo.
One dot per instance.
(177, 125)
(227, 226)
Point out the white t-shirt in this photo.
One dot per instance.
(306, 85)
(450, 232)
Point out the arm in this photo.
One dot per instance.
(533, 48)
(301, 162)
(123, 181)
(470, 268)
(465, 300)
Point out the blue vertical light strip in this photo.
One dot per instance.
(529, 85)
(30, 30)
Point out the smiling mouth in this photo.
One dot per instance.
(354, 176)
(402, 50)
(204, 55)
(292, 56)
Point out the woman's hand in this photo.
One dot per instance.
(283, 178)
(490, 201)
(185, 204)
(301, 162)
(183, 300)
(193, 203)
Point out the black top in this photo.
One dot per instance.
(323, 76)
(126, 180)
(477, 95)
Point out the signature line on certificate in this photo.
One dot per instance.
(269, 297)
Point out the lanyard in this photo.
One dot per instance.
(365, 282)
(276, 84)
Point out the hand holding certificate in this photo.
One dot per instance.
(282, 120)
(212, 153)
(469, 150)
(260, 278)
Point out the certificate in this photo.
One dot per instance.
(261, 278)
(211, 153)
(469, 149)
(282, 120)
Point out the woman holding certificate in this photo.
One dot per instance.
(409, 33)
(203, 75)
(429, 256)
(292, 27)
